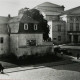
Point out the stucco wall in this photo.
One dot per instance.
(32, 50)
(50, 27)
(4, 47)
(19, 47)
(55, 33)
(14, 27)
(24, 37)
(19, 40)
(52, 17)
(13, 43)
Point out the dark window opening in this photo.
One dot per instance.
(77, 26)
(59, 28)
(31, 42)
(71, 26)
(1, 39)
(59, 38)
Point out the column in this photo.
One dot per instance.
(72, 39)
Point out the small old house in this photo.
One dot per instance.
(22, 35)
(24, 32)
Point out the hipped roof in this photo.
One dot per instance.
(24, 19)
(27, 19)
(75, 10)
(45, 4)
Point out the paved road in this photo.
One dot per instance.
(61, 72)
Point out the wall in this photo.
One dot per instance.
(35, 49)
(73, 21)
(52, 17)
(14, 27)
(48, 43)
(56, 33)
(50, 27)
(24, 37)
(20, 40)
(13, 43)
(4, 47)
(19, 47)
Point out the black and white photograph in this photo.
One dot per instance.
(39, 40)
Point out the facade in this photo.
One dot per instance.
(24, 32)
(51, 13)
(58, 31)
(4, 35)
(73, 25)
(22, 35)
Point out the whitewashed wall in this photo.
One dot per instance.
(18, 45)
(32, 50)
(4, 47)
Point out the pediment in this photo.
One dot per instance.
(75, 10)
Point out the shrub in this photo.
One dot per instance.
(11, 57)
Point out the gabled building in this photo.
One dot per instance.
(22, 35)
(72, 18)
(51, 13)
(24, 32)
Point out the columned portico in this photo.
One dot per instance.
(74, 38)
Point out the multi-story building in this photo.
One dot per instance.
(72, 18)
(51, 13)
(58, 31)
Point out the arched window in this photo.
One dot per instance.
(35, 26)
(25, 26)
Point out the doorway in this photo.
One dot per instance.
(75, 39)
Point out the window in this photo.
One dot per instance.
(59, 28)
(77, 26)
(35, 26)
(31, 42)
(71, 18)
(71, 26)
(1, 39)
(54, 38)
(59, 38)
(77, 18)
(25, 26)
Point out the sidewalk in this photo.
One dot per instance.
(68, 60)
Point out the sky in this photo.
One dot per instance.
(13, 6)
